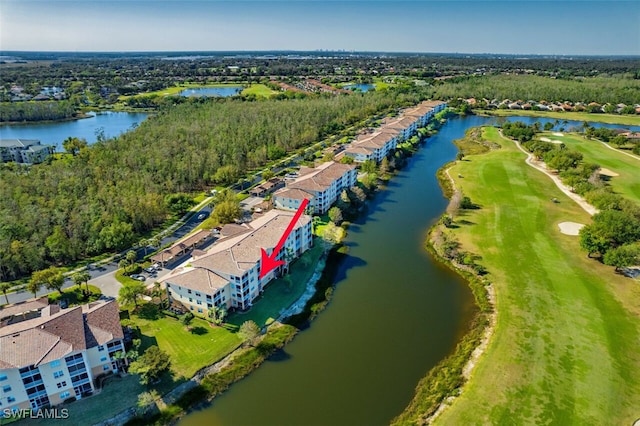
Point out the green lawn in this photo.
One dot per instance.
(260, 90)
(281, 293)
(565, 346)
(633, 120)
(628, 183)
(189, 351)
(117, 395)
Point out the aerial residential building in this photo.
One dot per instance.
(27, 151)
(56, 354)
(323, 184)
(377, 145)
(228, 273)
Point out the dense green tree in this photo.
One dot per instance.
(226, 211)
(52, 278)
(150, 365)
(81, 277)
(335, 214)
(130, 292)
(249, 331)
(623, 256)
(73, 145)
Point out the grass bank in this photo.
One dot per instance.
(241, 363)
(564, 347)
(633, 120)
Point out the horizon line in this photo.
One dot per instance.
(341, 51)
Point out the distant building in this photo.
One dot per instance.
(26, 151)
(48, 354)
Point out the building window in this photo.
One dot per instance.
(199, 302)
(55, 363)
(3, 377)
(103, 359)
(10, 399)
(198, 294)
(191, 308)
(100, 348)
(189, 291)
(62, 384)
(200, 310)
(64, 395)
(58, 374)
(209, 305)
(191, 300)
(105, 367)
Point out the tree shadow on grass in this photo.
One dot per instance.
(199, 331)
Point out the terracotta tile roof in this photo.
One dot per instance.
(182, 245)
(241, 253)
(198, 278)
(293, 193)
(320, 178)
(50, 337)
(22, 307)
(103, 321)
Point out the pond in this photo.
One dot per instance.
(109, 123)
(222, 91)
(362, 87)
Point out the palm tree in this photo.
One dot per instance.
(4, 288)
(81, 277)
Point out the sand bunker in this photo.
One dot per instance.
(558, 134)
(570, 228)
(556, 141)
(607, 172)
(545, 139)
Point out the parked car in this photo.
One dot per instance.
(138, 277)
(150, 269)
(201, 216)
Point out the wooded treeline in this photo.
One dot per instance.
(106, 196)
(531, 87)
(36, 111)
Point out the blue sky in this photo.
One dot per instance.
(526, 27)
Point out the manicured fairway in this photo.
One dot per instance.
(565, 349)
(260, 90)
(628, 183)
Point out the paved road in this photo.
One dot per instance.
(103, 276)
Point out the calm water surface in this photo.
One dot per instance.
(212, 91)
(111, 123)
(360, 87)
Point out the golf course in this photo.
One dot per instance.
(565, 346)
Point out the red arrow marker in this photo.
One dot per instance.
(269, 263)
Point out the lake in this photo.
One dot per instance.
(53, 133)
(360, 87)
(224, 91)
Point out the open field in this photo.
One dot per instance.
(259, 90)
(189, 351)
(633, 120)
(565, 345)
(627, 183)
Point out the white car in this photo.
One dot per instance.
(201, 216)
